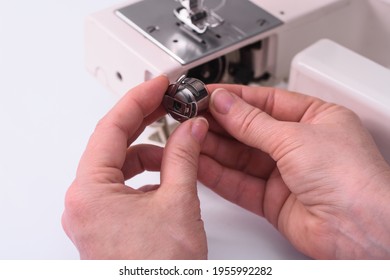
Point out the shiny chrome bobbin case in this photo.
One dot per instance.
(186, 99)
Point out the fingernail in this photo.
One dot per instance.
(199, 129)
(222, 101)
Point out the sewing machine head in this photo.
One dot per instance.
(241, 42)
(190, 31)
(223, 40)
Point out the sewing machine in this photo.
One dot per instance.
(252, 42)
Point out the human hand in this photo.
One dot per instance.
(307, 166)
(106, 219)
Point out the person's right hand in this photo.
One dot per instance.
(308, 166)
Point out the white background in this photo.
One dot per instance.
(49, 106)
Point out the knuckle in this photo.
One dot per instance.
(102, 123)
(105, 124)
(249, 122)
(75, 204)
(239, 194)
(184, 155)
(244, 158)
(269, 103)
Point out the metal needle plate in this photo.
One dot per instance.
(156, 21)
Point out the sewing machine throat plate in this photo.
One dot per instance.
(157, 22)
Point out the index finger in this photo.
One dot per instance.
(109, 142)
(281, 104)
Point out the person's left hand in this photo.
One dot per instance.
(106, 219)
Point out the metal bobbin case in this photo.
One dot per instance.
(186, 99)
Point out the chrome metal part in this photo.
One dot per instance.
(186, 99)
(196, 16)
(156, 21)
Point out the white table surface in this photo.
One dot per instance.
(49, 106)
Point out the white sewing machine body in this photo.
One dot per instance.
(120, 54)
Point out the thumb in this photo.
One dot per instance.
(248, 124)
(179, 166)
